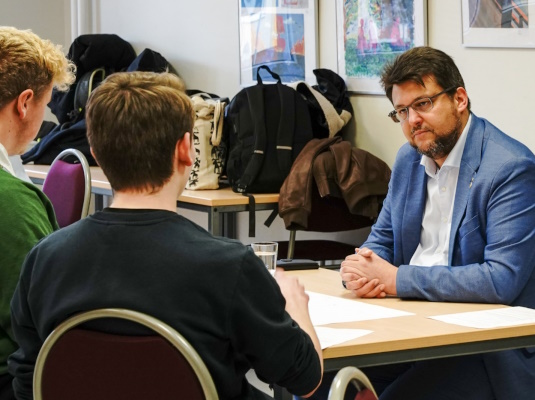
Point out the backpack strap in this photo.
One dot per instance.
(286, 124)
(211, 105)
(87, 83)
(219, 114)
(255, 97)
(284, 144)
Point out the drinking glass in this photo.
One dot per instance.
(267, 252)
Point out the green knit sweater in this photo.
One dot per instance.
(26, 216)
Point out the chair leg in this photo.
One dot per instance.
(291, 245)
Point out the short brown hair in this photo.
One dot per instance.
(134, 120)
(419, 62)
(29, 62)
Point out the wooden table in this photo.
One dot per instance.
(409, 338)
(218, 204)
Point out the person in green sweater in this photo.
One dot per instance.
(30, 68)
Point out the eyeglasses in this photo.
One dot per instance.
(425, 104)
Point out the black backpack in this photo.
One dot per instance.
(267, 125)
(95, 56)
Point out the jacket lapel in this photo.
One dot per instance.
(414, 210)
(469, 166)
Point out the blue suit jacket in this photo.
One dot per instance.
(492, 239)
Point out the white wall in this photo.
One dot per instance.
(200, 39)
(49, 19)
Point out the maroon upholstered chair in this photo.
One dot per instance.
(77, 363)
(68, 186)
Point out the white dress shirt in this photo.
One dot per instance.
(12, 164)
(5, 162)
(436, 224)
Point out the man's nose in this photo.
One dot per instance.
(414, 117)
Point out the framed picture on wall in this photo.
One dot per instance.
(498, 23)
(280, 34)
(372, 33)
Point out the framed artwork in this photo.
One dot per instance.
(372, 33)
(497, 23)
(280, 34)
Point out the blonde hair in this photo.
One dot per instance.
(29, 62)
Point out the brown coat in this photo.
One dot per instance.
(339, 170)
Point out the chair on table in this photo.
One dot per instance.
(328, 215)
(68, 186)
(356, 377)
(82, 364)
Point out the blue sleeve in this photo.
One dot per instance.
(381, 238)
(494, 247)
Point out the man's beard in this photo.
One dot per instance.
(442, 145)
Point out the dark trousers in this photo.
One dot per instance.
(6, 388)
(452, 378)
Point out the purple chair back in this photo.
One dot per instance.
(68, 187)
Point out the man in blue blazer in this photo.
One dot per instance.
(458, 224)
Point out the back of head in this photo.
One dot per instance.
(419, 62)
(134, 120)
(29, 62)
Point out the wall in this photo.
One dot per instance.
(200, 39)
(49, 19)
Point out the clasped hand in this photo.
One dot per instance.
(368, 275)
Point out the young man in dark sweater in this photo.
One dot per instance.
(140, 254)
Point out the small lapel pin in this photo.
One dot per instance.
(472, 181)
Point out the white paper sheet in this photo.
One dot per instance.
(326, 309)
(494, 318)
(330, 336)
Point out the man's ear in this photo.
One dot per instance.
(22, 102)
(462, 99)
(183, 151)
(93, 154)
